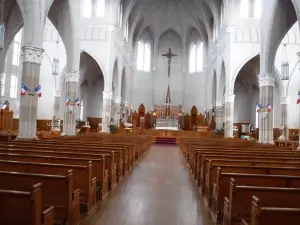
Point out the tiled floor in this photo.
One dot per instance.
(159, 191)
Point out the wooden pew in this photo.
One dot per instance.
(57, 191)
(221, 187)
(221, 157)
(211, 170)
(105, 173)
(238, 204)
(24, 207)
(266, 215)
(114, 155)
(82, 177)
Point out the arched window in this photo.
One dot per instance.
(244, 10)
(196, 57)
(81, 111)
(215, 33)
(257, 9)
(126, 31)
(222, 17)
(87, 8)
(100, 8)
(17, 48)
(121, 15)
(192, 58)
(144, 56)
(199, 57)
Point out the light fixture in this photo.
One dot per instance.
(55, 67)
(285, 67)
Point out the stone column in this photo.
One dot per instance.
(266, 84)
(125, 111)
(56, 112)
(284, 116)
(229, 115)
(106, 111)
(2, 86)
(118, 110)
(32, 58)
(71, 90)
(218, 115)
(210, 110)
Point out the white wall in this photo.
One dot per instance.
(95, 98)
(47, 80)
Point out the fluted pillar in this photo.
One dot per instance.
(71, 90)
(219, 115)
(106, 111)
(229, 115)
(56, 111)
(125, 111)
(284, 116)
(266, 84)
(32, 58)
(118, 110)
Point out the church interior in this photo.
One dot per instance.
(126, 112)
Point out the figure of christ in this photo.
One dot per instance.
(169, 55)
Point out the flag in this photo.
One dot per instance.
(24, 89)
(269, 108)
(258, 107)
(37, 90)
(68, 100)
(77, 101)
(298, 99)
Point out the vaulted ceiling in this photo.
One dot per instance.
(179, 15)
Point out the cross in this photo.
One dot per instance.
(169, 55)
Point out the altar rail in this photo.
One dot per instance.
(175, 133)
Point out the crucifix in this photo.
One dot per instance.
(169, 55)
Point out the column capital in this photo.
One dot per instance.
(229, 98)
(57, 93)
(32, 54)
(284, 100)
(2, 74)
(118, 100)
(266, 79)
(219, 103)
(71, 75)
(126, 103)
(211, 106)
(107, 94)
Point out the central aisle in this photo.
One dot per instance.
(159, 191)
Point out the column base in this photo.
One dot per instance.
(63, 134)
(266, 142)
(19, 138)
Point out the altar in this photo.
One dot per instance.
(167, 124)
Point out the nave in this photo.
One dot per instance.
(159, 191)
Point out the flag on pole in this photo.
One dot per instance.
(77, 101)
(298, 99)
(269, 108)
(68, 100)
(258, 107)
(24, 89)
(37, 90)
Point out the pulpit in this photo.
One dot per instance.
(6, 119)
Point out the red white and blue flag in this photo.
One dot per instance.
(77, 101)
(269, 108)
(37, 90)
(24, 89)
(258, 107)
(68, 100)
(298, 99)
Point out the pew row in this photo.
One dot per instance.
(24, 207)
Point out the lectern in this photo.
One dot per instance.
(6, 119)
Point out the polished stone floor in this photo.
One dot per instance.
(159, 191)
